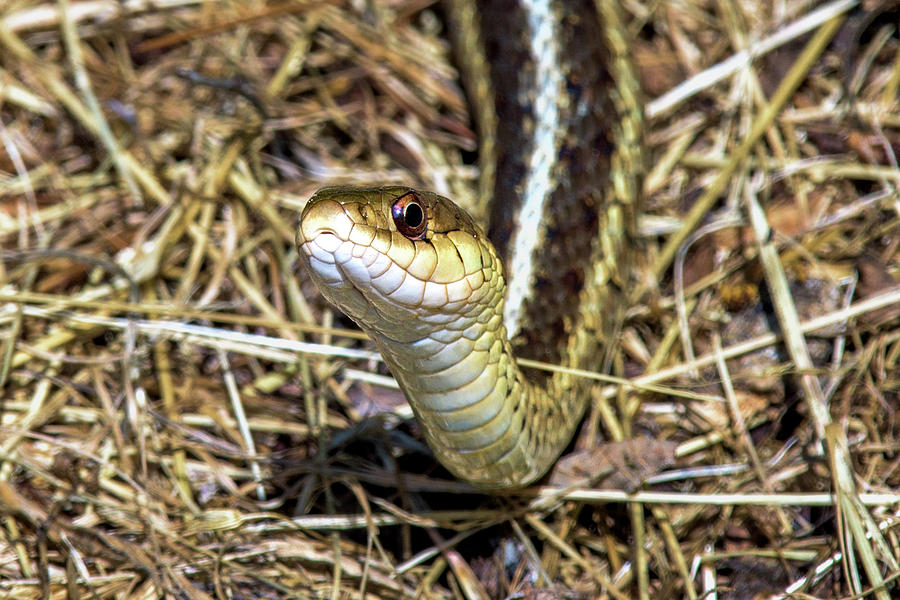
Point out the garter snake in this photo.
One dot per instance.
(559, 126)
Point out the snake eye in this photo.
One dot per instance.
(409, 216)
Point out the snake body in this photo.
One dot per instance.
(421, 277)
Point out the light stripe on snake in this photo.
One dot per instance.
(538, 183)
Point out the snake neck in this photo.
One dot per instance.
(510, 436)
(486, 420)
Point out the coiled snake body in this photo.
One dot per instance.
(421, 278)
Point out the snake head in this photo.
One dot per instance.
(400, 262)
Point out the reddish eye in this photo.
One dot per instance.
(409, 216)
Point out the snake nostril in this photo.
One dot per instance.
(323, 215)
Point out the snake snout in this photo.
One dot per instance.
(323, 228)
(323, 216)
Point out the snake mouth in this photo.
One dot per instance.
(318, 253)
(332, 276)
(341, 267)
(323, 228)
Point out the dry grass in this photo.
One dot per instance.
(182, 416)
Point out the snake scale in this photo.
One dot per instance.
(559, 125)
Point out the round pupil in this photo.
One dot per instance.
(413, 215)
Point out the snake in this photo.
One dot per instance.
(454, 300)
